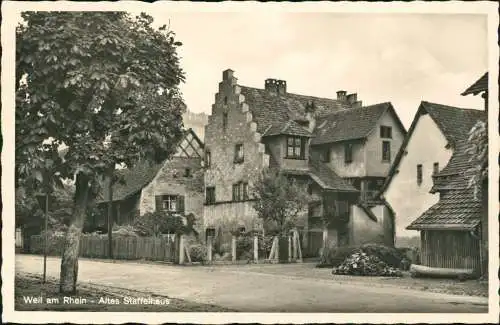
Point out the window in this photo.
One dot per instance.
(224, 120)
(310, 189)
(245, 191)
(210, 195)
(236, 192)
(239, 156)
(386, 132)
(386, 151)
(295, 148)
(326, 155)
(436, 168)
(419, 174)
(225, 100)
(187, 172)
(240, 191)
(170, 203)
(208, 158)
(348, 153)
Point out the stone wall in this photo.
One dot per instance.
(221, 139)
(171, 180)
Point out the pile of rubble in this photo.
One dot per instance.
(362, 263)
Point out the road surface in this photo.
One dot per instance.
(239, 289)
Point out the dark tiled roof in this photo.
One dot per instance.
(328, 177)
(456, 210)
(454, 122)
(479, 86)
(289, 128)
(324, 176)
(355, 123)
(455, 174)
(135, 179)
(272, 109)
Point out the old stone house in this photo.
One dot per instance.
(339, 149)
(175, 185)
(431, 140)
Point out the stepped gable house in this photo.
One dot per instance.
(431, 141)
(339, 149)
(175, 185)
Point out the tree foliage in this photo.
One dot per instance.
(478, 150)
(164, 222)
(279, 200)
(105, 85)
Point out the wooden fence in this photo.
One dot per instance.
(128, 248)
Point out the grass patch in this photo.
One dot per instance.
(95, 298)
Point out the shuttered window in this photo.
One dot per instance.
(170, 203)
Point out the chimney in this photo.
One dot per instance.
(271, 85)
(352, 98)
(341, 95)
(227, 74)
(281, 87)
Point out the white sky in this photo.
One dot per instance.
(401, 58)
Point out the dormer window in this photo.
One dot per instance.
(295, 147)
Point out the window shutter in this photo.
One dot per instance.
(180, 204)
(302, 148)
(159, 201)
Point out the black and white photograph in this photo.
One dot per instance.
(250, 162)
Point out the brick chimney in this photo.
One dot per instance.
(352, 98)
(275, 86)
(341, 95)
(271, 85)
(281, 87)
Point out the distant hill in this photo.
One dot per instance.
(413, 241)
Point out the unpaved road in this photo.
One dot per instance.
(244, 288)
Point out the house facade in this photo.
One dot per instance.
(427, 148)
(305, 138)
(175, 185)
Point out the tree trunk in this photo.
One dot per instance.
(69, 261)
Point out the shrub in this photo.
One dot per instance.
(244, 244)
(265, 245)
(126, 231)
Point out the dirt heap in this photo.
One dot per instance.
(365, 262)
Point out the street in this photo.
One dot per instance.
(245, 289)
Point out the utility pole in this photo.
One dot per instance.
(110, 216)
(46, 235)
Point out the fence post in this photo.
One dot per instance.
(181, 249)
(209, 249)
(289, 248)
(256, 248)
(233, 248)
